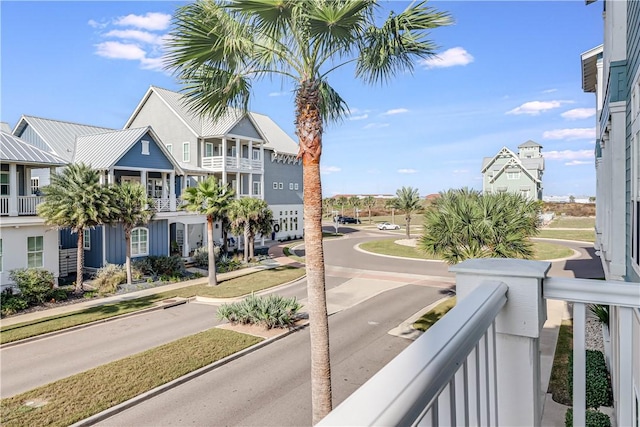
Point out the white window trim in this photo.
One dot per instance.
(295, 186)
(7, 184)
(35, 184)
(291, 186)
(137, 252)
(280, 185)
(86, 239)
(186, 154)
(145, 147)
(256, 154)
(206, 146)
(169, 148)
(275, 185)
(256, 187)
(35, 252)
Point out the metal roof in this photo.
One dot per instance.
(275, 138)
(58, 135)
(529, 143)
(5, 127)
(589, 61)
(14, 149)
(103, 150)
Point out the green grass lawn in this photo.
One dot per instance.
(542, 250)
(77, 397)
(581, 235)
(558, 386)
(573, 222)
(429, 318)
(235, 287)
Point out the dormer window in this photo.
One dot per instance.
(145, 148)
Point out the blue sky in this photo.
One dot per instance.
(507, 72)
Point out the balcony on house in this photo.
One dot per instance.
(232, 155)
(160, 185)
(481, 365)
(20, 189)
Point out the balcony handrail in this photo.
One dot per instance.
(589, 291)
(434, 359)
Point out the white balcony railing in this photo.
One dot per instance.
(27, 204)
(162, 205)
(231, 163)
(4, 205)
(480, 364)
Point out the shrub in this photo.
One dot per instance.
(601, 312)
(109, 277)
(157, 266)
(34, 284)
(272, 311)
(228, 263)
(11, 303)
(592, 418)
(58, 294)
(598, 390)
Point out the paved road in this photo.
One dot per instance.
(271, 387)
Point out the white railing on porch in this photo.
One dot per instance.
(4, 205)
(162, 205)
(480, 364)
(27, 204)
(235, 163)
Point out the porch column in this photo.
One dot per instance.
(224, 161)
(165, 194)
(111, 177)
(238, 153)
(143, 180)
(262, 171)
(238, 183)
(13, 189)
(102, 181)
(172, 191)
(251, 184)
(250, 154)
(185, 242)
(518, 326)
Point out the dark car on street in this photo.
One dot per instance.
(347, 220)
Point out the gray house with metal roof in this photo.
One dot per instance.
(25, 240)
(521, 173)
(248, 151)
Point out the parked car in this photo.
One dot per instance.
(347, 220)
(388, 226)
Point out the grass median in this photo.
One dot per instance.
(77, 397)
(230, 288)
(579, 235)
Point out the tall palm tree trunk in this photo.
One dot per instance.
(309, 131)
(247, 242)
(80, 262)
(408, 220)
(213, 280)
(127, 239)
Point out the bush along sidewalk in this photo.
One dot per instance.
(271, 311)
(597, 390)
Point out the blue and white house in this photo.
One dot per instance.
(25, 240)
(248, 151)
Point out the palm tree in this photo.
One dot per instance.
(209, 198)
(355, 202)
(218, 48)
(327, 204)
(408, 200)
(464, 224)
(135, 209)
(75, 199)
(250, 216)
(391, 204)
(369, 202)
(342, 201)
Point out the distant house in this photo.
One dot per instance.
(247, 151)
(521, 173)
(25, 240)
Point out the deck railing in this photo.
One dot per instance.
(20, 205)
(215, 163)
(162, 205)
(4, 205)
(480, 363)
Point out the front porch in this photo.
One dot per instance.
(481, 364)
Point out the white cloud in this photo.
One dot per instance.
(277, 93)
(533, 108)
(573, 155)
(449, 58)
(119, 50)
(579, 113)
(95, 24)
(150, 21)
(578, 162)
(142, 36)
(395, 111)
(570, 134)
(407, 171)
(360, 117)
(327, 170)
(549, 90)
(375, 125)
(460, 171)
(153, 63)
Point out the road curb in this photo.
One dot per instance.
(114, 410)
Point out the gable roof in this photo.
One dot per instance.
(14, 149)
(5, 127)
(513, 163)
(103, 150)
(529, 143)
(202, 127)
(504, 152)
(59, 136)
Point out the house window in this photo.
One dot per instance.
(140, 241)
(169, 148)
(513, 175)
(275, 185)
(4, 183)
(256, 154)
(35, 252)
(145, 148)
(86, 239)
(295, 186)
(280, 185)
(291, 186)
(35, 185)
(208, 149)
(154, 187)
(186, 155)
(256, 187)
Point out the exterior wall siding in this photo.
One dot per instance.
(93, 257)
(154, 160)
(158, 241)
(285, 173)
(30, 136)
(245, 128)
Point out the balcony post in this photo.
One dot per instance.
(13, 189)
(518, 326)
(172, 191)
